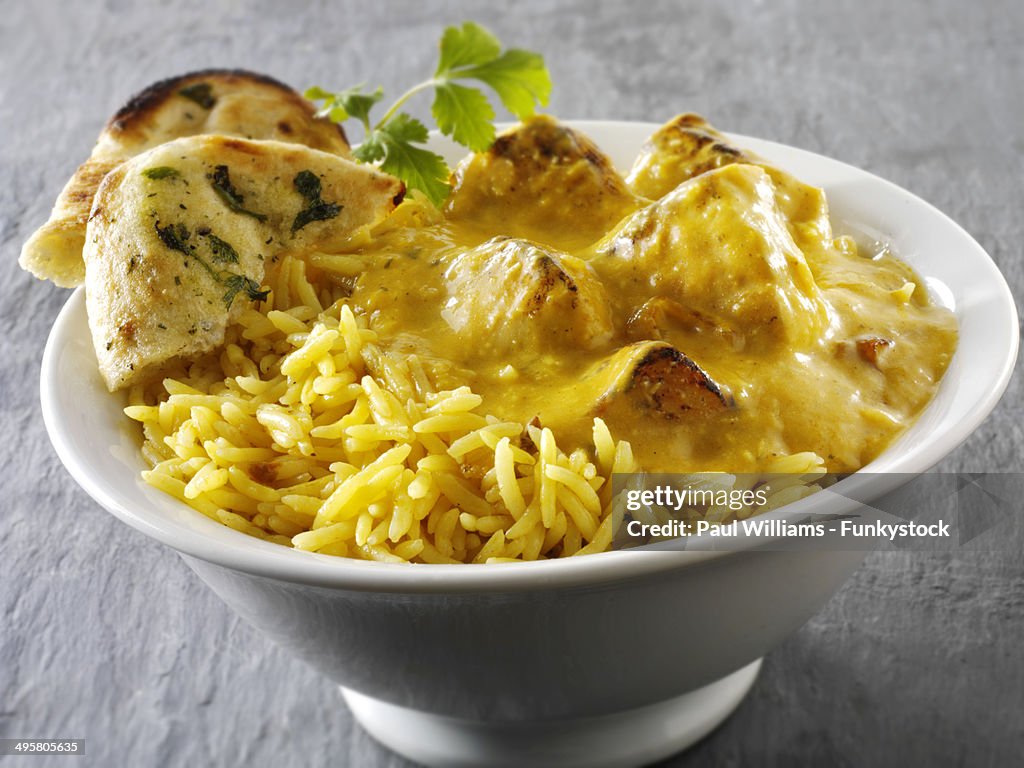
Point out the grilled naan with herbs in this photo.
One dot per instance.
(227, 102)
(181, 236)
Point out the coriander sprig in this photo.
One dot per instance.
(467, 53)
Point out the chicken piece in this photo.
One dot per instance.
(180, 235)
(541, 181)
(227, 102)
(718, 245)
(688, 146)
(513, 294)
(661, 314)
(866, 349)
(652, 376)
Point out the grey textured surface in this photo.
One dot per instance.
(107, 636)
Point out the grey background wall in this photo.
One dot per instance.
(105, 635)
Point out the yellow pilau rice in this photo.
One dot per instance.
(286, 435)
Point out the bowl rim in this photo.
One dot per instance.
(260, 558)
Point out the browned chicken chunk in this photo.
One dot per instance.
(661, 314)
(654, 376)
(508, 294)
(686, 146)
(719, 246)
(541, 181)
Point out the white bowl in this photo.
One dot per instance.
(613, 659)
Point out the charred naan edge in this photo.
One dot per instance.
(180, 237)
(542, 181)
(654, 376)
(509, 293)
(221, 101)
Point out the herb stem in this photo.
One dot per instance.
(405, 97)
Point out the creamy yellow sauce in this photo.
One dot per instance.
(814, 344)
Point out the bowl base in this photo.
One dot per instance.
(631, 738)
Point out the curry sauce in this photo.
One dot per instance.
(702, 305)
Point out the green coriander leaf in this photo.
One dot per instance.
(237, 283)
(465, 46)
(334, 111)
(308, 185)
(419, 168)
(466, 52)
(319, 211)
(252, 289)
(221, 181)
(342, 105)
(519, 77)
(465, 114)
(174, 237)
(357, 103)
(371, 150)
(405, 127)
(316, 93)
(160, 172)
(222, 251)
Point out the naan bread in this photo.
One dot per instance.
(227, 102)
(180, 238)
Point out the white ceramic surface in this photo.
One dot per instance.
(587, 637)
(635, 737)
